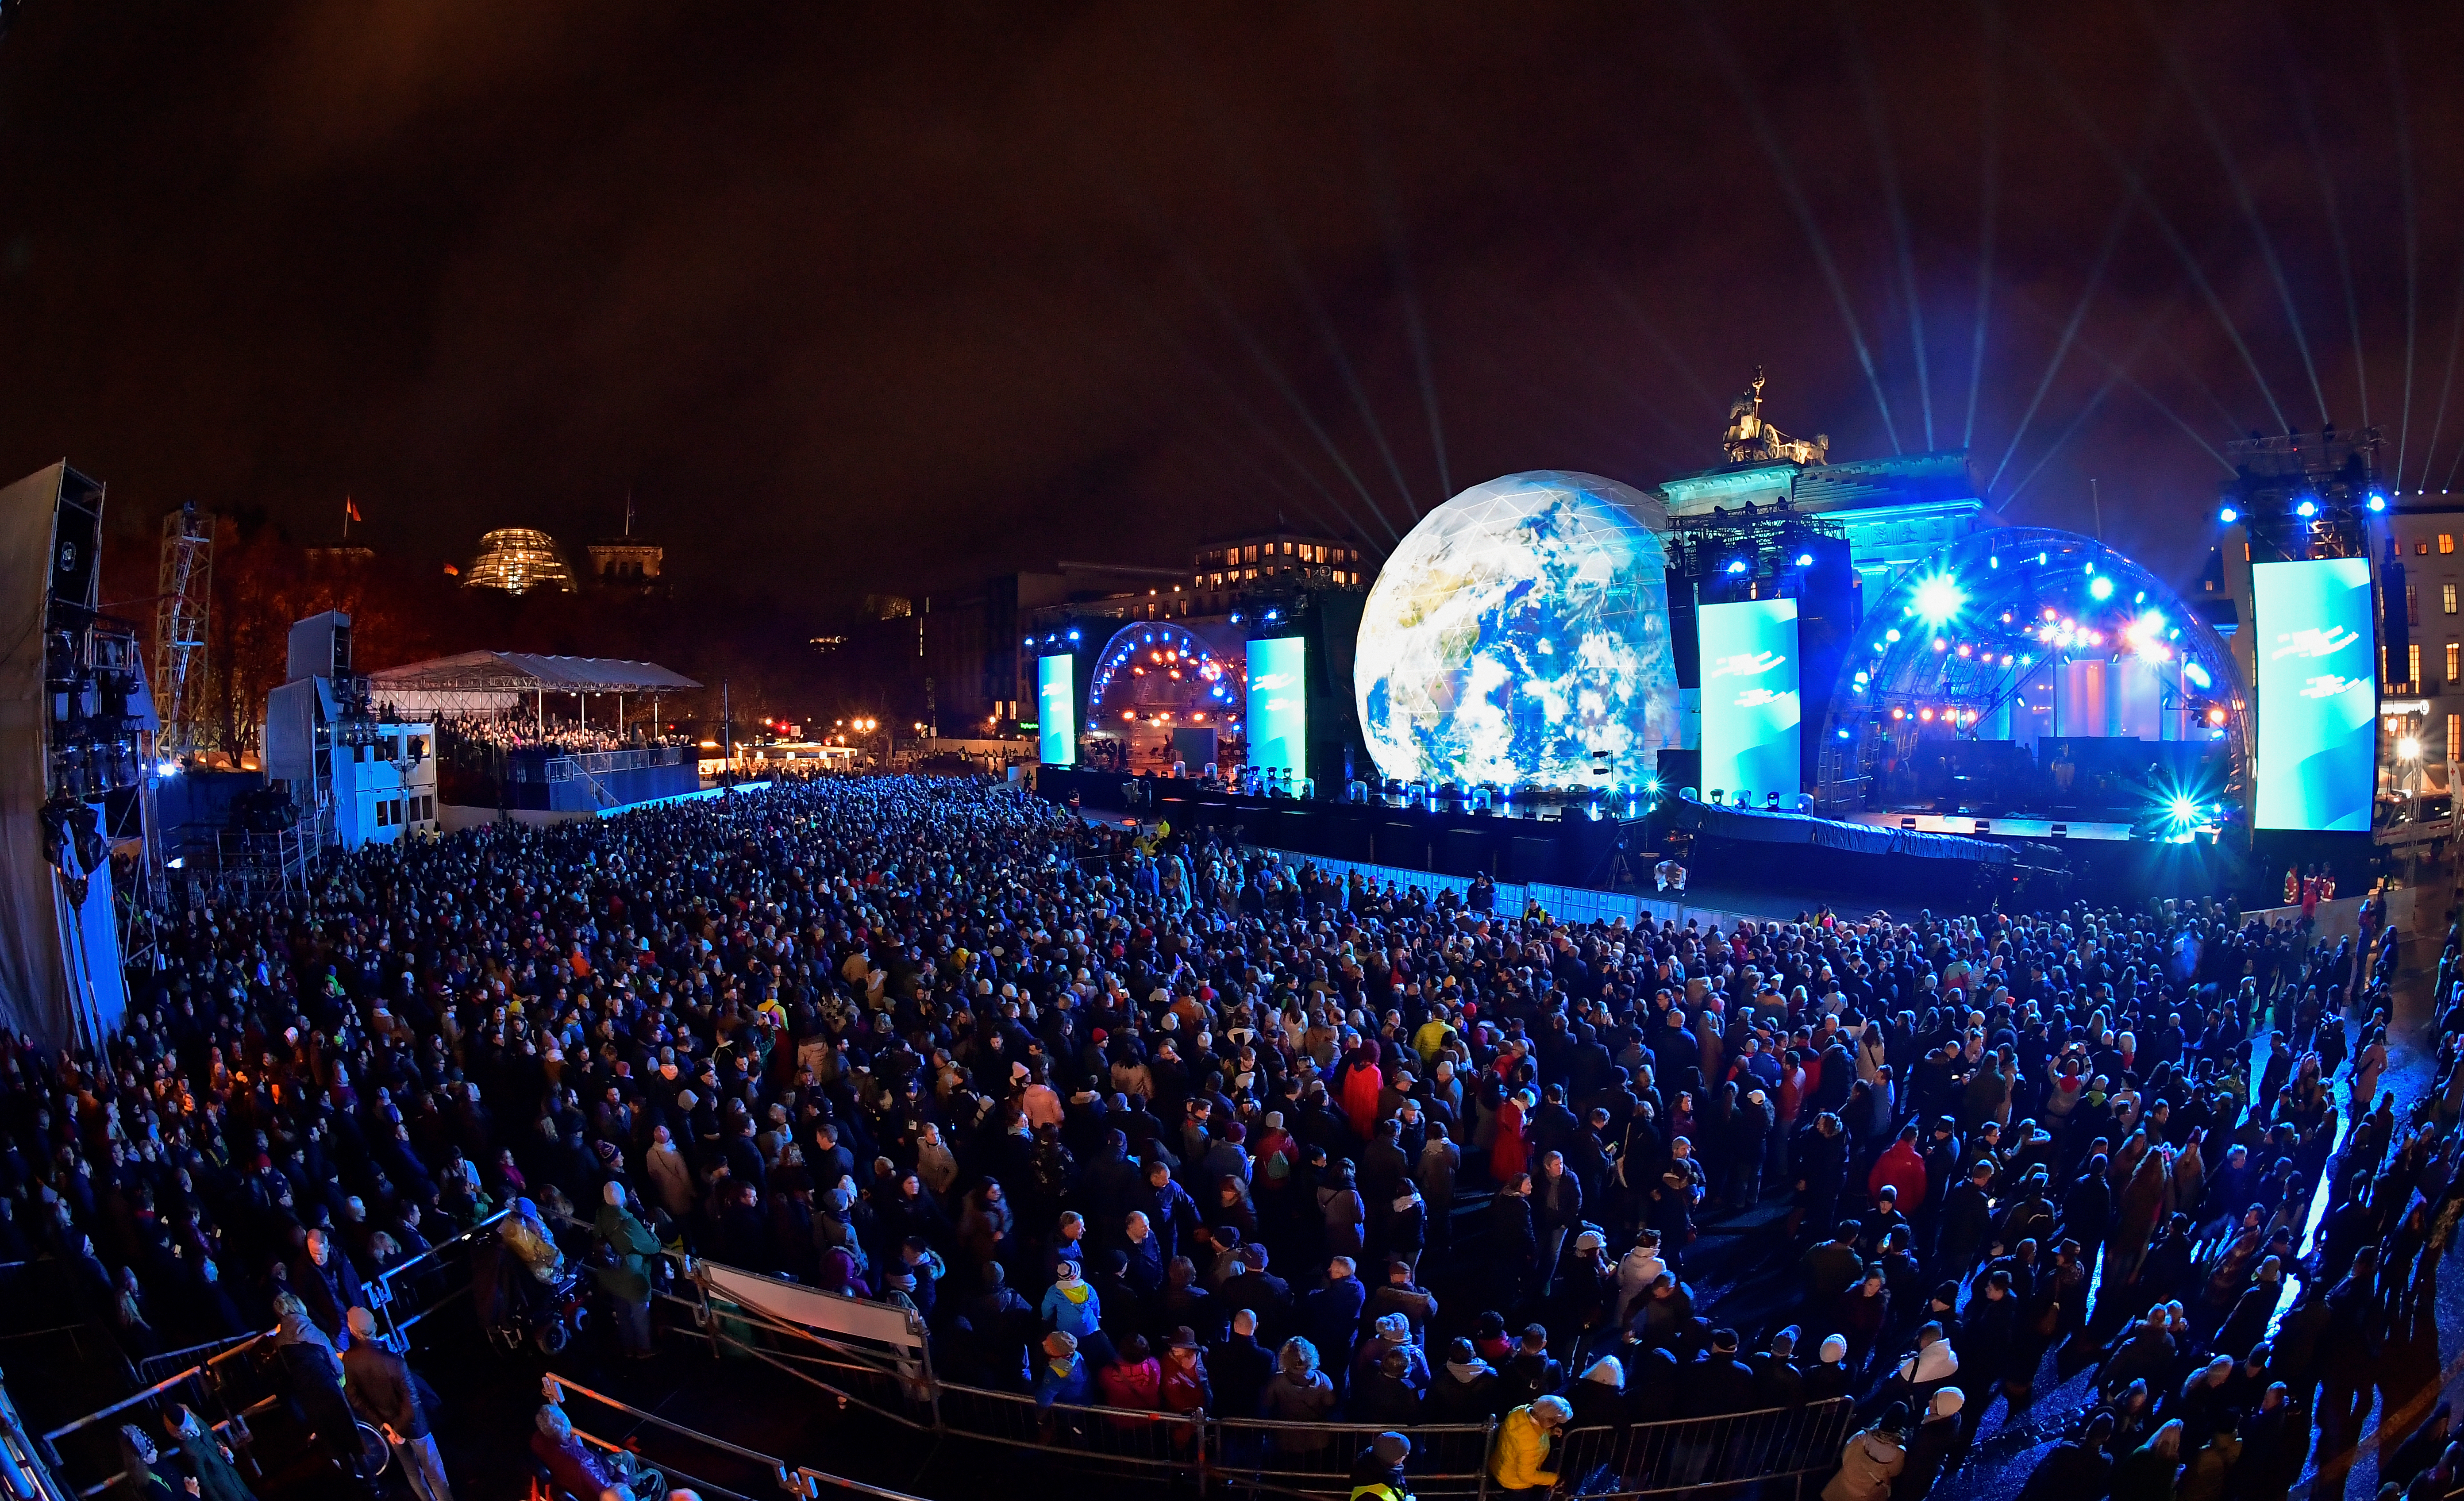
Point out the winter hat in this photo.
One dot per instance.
(1590, 1240)
(1391, 1449)
(1608, 1373)
(1061, 1345)
(1835, 1349)
(1394, 1328)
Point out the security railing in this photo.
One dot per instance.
(657, 1452)
(401, 1296)
(224, 1388)
(228, 1382)
(1301, 1460)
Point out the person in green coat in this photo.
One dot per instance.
(622, 1273)
(217, 1478)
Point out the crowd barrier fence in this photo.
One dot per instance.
(1779, 1444)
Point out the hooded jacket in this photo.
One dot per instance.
(1872, 1460)
(1071, 1305)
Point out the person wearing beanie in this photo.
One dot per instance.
(1779, 1382)
(1377, 1470)
(1599, 1399)
(1070, 1304)
(1872, 1459)
(1385, 1393)
(1718, 1384)
(624, 1274)
(1829, 1375)
(1465, 1388)
(1391, 1333)
(1931, 1448)
(1061, 1377)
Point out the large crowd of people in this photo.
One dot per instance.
(502, 731)
(1155, 1121)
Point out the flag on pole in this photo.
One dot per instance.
(351, 510)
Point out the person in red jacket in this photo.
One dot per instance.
(1902, 1167)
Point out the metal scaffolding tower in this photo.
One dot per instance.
(184, 593)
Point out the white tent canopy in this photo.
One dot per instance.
(478, 682)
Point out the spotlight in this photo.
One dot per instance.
(1939, 598)
(1805, 560)
(1736, 566)
(2377, 503)
(2184, 810)
(2306, 509)
(2228, 515)
(2409, 748)
(2100, 587)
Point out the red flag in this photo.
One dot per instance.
(351, 509)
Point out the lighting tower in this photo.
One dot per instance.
(184, 603)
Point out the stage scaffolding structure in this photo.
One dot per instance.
(183, 608)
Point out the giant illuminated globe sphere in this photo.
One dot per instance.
(1521, 627)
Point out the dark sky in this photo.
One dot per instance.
(896, 297)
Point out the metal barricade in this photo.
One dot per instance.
(1315, 1458)
(711, 1463)
(1693, 1453)
(400, 1296)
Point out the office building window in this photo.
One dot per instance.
(2413, 664)
(381, 813)
(2420, 549)
(2412, 604)
(2455, 737)
(2446, 599)
(2455, 662)
(2445, 541)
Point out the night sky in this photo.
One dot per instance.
(895, 298)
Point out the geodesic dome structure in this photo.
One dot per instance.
(2040, 647)
(1519, 635)
(516, 559)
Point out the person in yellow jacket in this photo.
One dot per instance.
(1518, 1464)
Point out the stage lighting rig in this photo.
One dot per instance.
(2304, 496)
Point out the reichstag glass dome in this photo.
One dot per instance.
(517, 559)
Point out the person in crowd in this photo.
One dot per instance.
(386, 1395)
(1520, 1463)
(1873, 1460)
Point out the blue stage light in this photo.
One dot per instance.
(1939, 598)
(2228, 515)
(1736, 566)
(2100, 587)
(2197, 674)
(1805, 560)
(2378, 502)
(2306, 509)
(1073, 635)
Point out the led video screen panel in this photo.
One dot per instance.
(1751, 714)
(2318, 698)
(1278, 705)
(1056, 710)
